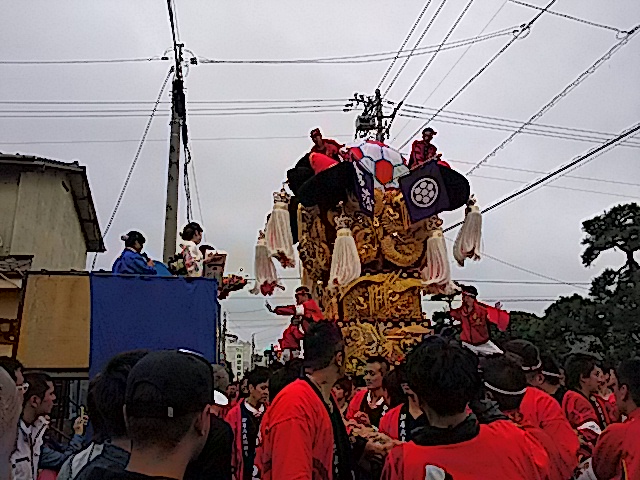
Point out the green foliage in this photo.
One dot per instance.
(607, 321)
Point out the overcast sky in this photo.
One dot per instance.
(540, 232)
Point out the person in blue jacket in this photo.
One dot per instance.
(132, 260)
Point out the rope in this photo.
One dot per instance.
(135, 160)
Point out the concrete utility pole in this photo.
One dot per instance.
(372, 119)
(173, 173)
(253, 350)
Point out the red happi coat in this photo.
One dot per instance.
(541, 411)
(617, 453)
(355, 403)
(500, 450)
(234, 418)
(309, 310)
(584, 418)
(389, 423)
(296, 437)
(291, 338)
(475, 330)
(417, 156)
(332, 148)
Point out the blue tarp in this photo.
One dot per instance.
(146, 312)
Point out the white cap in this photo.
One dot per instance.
(220, 399)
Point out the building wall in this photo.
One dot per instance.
(8, 198)
(46, 224)
(239, 357)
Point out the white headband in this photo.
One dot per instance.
(504, 392)
(551, 374)
(528, 369)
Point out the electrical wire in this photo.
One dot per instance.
(594, 151)
(570, 17)
(404, 44)
(523, 31)
(134, 162)
(435, 54)
(408, 57)
(454, 66)
(82, 62)
(146, 102)
(565, 91)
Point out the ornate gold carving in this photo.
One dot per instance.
(312, 247)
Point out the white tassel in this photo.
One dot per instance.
(278, 234)
(345, 261)
(467, 244)
(264, 269)
(437, 270)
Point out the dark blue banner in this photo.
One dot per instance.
(144, 312)
(364, 186)
(424, 192)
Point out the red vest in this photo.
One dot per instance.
(291, 338)
(309, 310)
(475, 330)
(617, 453)
(540, 410)
(501, 450)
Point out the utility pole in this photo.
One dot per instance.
(372, 119)
(178, 112)
(253, 349)
(223, 338)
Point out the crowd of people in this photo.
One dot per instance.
(446, 413)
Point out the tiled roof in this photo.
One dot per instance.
(15, 263)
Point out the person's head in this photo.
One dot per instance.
(220, 378)
(551, 370)
(469, 295)
(324, 349)
(504, 380)
(244, 386)
(582, 373)
(107, 395)
(258, 381)
(627, 390)
(342, 389)
(392, 384)
(134, 240)
(40, 396)
(529, 358)
(232, 390)
(192, 232)
(316, 137)
(377, 367)
(302, 295)
(443, 375)
(290, 372)
(14, 368)
(428, 134)
(168, 404)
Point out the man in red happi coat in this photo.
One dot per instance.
(403, 421)
(474, 317)
(290, 341)
(423, 150)
(306, 308)
(505, 382)
(617, 453)
(368, 405)
(245, 419)
(445, 377)
(303, 435)
(582, 409)
(326, 146)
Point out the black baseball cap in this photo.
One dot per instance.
(168, 384)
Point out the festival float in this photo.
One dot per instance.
(369, 239)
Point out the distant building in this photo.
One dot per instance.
(238, 355)
(47, 222)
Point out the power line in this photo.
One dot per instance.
(362, 58)
(408, 57)
(558, 171)
(191, 102)
(575, 19)
(435, 54)
(525, 28)
(455, 64)
(558, 97)
(529, 130)
(134, 162)
(83, 62)
(569, 189)
(404, 44)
